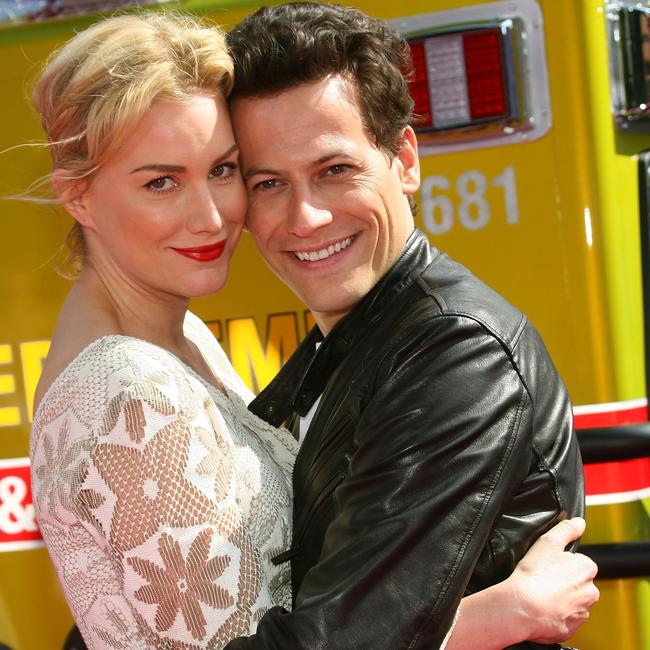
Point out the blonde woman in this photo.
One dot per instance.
(161, 498)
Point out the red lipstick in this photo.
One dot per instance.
(203, 253)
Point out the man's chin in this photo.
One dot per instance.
(330, 311)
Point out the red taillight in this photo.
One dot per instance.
(459, 79)
(419, 87)
(485, 74)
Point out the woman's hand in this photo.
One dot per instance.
(545, 600)
(554, 588)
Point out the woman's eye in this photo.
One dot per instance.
(161, 184)
(223, 171)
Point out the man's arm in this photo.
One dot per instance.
(444, 441)
(545, 600)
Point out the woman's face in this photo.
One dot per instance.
(165, 211)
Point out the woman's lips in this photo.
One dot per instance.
(203, 253)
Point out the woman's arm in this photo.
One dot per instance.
(152, 509)
(546, 599)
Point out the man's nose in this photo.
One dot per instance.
(307, 217)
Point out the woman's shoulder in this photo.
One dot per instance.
(117, 356)
(105, 368)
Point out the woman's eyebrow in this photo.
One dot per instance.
(165, 168)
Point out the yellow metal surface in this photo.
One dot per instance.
(572, 261)
(569, 256)
(257, 318)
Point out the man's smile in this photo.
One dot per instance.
(323, 253)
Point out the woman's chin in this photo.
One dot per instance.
(207, 288)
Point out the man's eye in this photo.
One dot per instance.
(161, 184)
(337, 169)
(268, 184)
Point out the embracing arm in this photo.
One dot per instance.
(546, 599)
(443, 442)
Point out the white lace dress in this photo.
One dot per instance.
(161, 500)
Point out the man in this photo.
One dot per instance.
(438, 442)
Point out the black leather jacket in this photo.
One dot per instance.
(442, 447)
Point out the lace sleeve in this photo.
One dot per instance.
(157, 525)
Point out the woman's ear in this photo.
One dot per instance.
(72, 194)
(410, 162)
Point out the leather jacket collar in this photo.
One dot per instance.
(305, 375)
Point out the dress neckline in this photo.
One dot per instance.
(119, 338)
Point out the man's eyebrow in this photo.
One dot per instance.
(341, 153)
(166, 169)
(255, 171)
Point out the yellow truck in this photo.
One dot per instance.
(534, 133)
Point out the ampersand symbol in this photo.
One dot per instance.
(13, 517)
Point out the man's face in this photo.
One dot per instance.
(327, 208)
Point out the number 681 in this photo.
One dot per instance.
(473, 208)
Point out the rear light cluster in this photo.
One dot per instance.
(460, 79)
(480, 75)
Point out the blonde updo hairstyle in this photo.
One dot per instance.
(95, 89)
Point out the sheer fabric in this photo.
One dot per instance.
(161, 499)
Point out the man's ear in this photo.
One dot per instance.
(410, 162)
(72, 195)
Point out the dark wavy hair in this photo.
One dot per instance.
(277, 48)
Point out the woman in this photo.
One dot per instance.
(161, 499)
(157, 492)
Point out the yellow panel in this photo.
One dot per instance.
(6, 355)
(559, 237)
(32, 355)
(7, 384)
(10, 416)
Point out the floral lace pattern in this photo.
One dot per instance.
(161, 499)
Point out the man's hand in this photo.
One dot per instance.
(554, 588)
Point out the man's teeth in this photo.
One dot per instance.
(314, 256)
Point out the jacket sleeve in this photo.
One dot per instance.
(444, 439)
